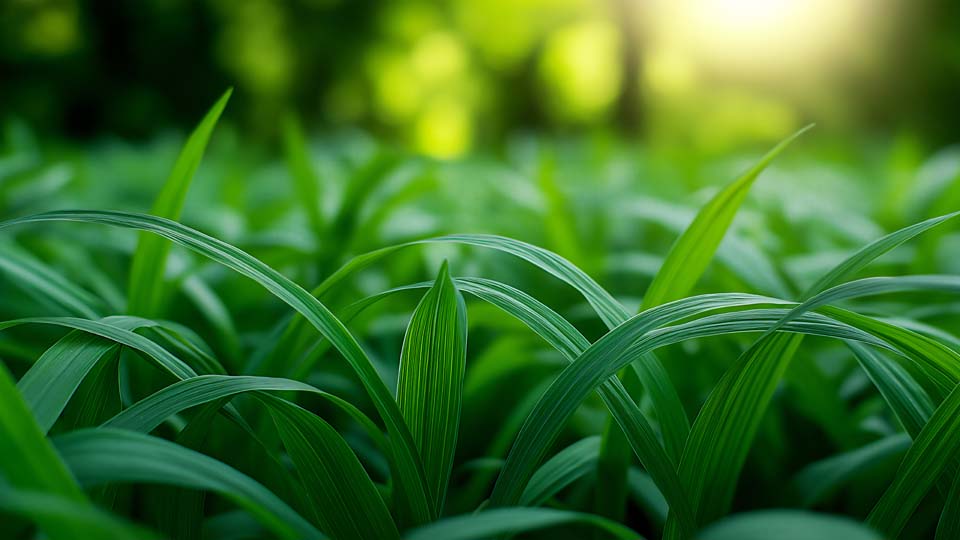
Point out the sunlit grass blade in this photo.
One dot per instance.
(870, 252)
(149, 261)
(343, 496)
(694, 249)
(410, 469)
(490, 523)
(430, 383)
(99, 456)
(787, 525)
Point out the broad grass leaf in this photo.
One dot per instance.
(102, 455)
(430, 383)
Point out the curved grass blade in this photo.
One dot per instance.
(786, 525)
(411, 476)
(149, 260)
(933, 450)
(561, 470)
(50, 383)
(344, 499)
(430, 383)
(46, 284)
(710, 465)
(949, 525)
(148, 413)
(693, 250)
(818, 480)
(490, 523)
(42, 508)
(29, 463)
(102, 455)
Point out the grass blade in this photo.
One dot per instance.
(102, 455)
(411, 477)
(787, 525)
(344, 499)
(430, 383)
(41, 508)
(694, 249)
(491, 523)
(149, 261)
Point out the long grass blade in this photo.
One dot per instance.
(430, 384)
(146, 290)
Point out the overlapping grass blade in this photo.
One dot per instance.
(490, 523)
(148, 413)
(561, 470)
(149, 260)
(693, 250)
(50, 383)
(29, 463)
(84, 519)
(430, 383)
(342, 495)
(819, 479)
(46, 284)
(723, 430)
(949, 525)
(933, 450)
(102, 455)
(411, 476)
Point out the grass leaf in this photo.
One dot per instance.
(430, 383)
(149, 261)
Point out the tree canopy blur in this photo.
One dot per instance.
(451, 75)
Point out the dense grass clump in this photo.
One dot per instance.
(741, 374)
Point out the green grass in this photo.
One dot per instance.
(367, 345)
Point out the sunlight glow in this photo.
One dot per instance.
(764, 35)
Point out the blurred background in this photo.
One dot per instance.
(445, 78)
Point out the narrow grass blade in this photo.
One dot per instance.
(29, 463)
(344, 499)
(490, 523)
(84, 519)
(46, 284)
(430, 384)
(304, 177)
(561, 470)
(102, 455)
(149, 261)
(148, 413)
(820, 479)
(949, 525)
(712, 458)
(694, 249)
(933, 450)
(411, 476)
